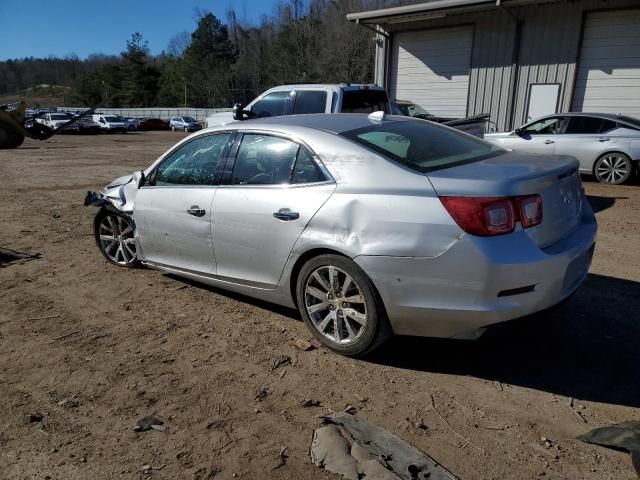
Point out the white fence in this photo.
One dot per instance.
(199, 114)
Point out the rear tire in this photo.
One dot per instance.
(613, 168)
(115, 236)
(173, 129)
(346, 314)
(186, 129)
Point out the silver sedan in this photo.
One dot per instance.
(607, 146)
(368, 225)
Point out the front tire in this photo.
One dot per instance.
(115, 236)
(613, 168)
(173, 129)
(340, 305)
(186, 129)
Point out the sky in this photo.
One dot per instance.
(41, 28)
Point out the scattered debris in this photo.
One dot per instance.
(578, 414)
(361, 399)
(33, 418)
(262, 393)
(622, 436)
(68, 403)
(146, 469)
(149, 423)
(283, 457)
(303, 345)
(48, 317)
(467, 441)
(493, 427)
(498, 385)
(280, 361)
(66, 335)
(420, 425)
(307, 403)
(355, 448)
(350, 409)
(181, 287)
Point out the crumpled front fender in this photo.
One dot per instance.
(120, 193)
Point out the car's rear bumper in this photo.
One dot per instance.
(480, 281)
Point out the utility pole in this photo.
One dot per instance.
(185, 91)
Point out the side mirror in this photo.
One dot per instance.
(518, 131)
(238, 113)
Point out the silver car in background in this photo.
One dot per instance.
(607, 146)
(368, 225)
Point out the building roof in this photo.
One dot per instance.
(429, 10)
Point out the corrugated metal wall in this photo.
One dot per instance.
(549, 45)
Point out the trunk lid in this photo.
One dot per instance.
(554, 178)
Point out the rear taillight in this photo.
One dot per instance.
(529, 210)
(488, 216)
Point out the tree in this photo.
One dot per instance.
(208, 63)
(140, 80)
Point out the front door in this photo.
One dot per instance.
(274, 189)
(173, 210)
(537, 137)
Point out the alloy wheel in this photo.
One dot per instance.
(335, 305)
(612, 168)
(116, 237)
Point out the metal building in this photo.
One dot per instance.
(514, 59)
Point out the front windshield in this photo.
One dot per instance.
(423, 146)
(112, 119)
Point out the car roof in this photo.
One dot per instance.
(329, 122)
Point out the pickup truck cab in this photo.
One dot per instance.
(308, 98)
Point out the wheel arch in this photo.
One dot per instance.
(609, 152)
(304, 258)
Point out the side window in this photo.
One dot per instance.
(548, 126)
(263, 160)
(271, 105)
(584, 125)
(310, 101)
(306, 170)
(607, 126)
(195, 163)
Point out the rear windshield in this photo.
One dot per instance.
(365, 101)
(423, 146)
(112, 119)
(60, 116)
(189, 119)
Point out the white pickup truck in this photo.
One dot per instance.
(308, 98)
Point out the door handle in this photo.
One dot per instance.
(604, 139)
(286, 214)
(196, 211)
(549, 142)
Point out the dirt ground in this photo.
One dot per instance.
(93, 348)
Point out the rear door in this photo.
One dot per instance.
(537, 137)
(271, 191)
(173, 210)
(586, 138)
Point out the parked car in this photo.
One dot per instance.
(186, 124)
(368, 225)
(53, 120)
(308, 98)
(132, 123)
(147, 124)
(474, 125)
(607, 146)
(110, 123)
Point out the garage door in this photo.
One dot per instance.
(431, 68)
(608, 76)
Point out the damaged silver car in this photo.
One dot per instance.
(368, 225)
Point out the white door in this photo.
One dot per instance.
(608, 75)
(431, 68)
(173, 211)
(543, 100)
